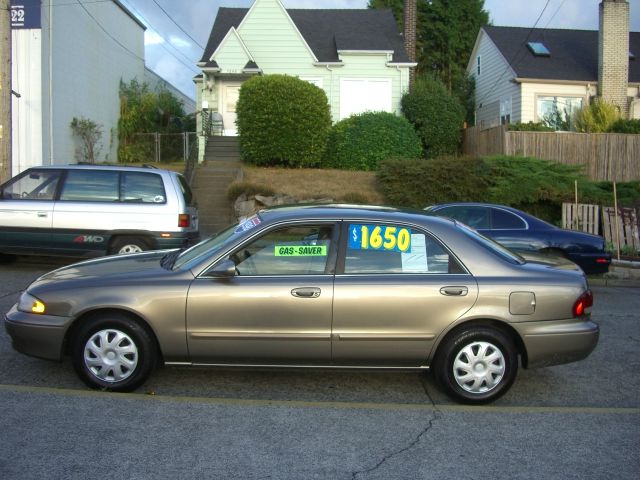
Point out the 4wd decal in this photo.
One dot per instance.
(88, 239)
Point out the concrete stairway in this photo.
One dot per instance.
(220, 168)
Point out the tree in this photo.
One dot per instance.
(143, 111)
(437, 116)
(90, 134)
(446, 34)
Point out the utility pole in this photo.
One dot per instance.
(5, 90)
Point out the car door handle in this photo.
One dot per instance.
(306, 292)
(43, 214)
(454, 291)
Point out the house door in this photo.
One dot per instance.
(228, 100)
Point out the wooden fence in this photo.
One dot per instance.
(623, 231)
(605, 156)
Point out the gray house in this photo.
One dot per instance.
(525, 74)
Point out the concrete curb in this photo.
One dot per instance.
(622, 273)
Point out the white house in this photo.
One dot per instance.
(356, 56)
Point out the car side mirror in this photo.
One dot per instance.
(224, 269)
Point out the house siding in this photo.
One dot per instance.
(494, 84)
(232, 56)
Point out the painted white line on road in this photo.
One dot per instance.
(316, 404)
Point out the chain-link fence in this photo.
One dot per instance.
(167, 147)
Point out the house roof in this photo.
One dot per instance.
(573, 53)
(327, 31)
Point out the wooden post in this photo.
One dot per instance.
(5, 90)
(615, 207)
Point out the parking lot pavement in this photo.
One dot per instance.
(580, 420)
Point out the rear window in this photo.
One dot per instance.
(186, 191)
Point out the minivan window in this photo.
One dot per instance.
(33, 185)
(186, 190)
(142, 187)
(91, 186)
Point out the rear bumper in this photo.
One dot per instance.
(557, 342)
(592, 263)
(39, 336)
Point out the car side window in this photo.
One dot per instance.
(507, 221)
(33, 185)
(91, 186)
(384, 249)
(473, 216)
(141, 187)
(293, 250)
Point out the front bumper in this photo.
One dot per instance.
(39, 336)
(556, 342)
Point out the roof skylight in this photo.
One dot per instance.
(538, 49)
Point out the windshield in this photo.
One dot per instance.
(217, 241)
(492, 245)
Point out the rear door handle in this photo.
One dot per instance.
(306, 292)
(454, 291)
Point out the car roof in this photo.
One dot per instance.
(142, 168)
(332, 211)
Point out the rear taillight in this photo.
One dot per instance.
(583, 304)
(184, 220)
(602, 260)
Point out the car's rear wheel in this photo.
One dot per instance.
(113, 352)
(123, 245)
(476, 364)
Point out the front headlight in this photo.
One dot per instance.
(30, 304)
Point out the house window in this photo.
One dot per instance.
(317, 81)
(505, 111)
(538, 49)
(359, 95)
(478, 65)
(557, 112)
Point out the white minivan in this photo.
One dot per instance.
(92, 210)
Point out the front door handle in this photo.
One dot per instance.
(454, 291)
(306, 292)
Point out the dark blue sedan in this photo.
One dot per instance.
(523, 233)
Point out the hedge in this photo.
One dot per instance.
(361, 141)
(282, 121)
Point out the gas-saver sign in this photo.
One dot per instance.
(380, 237)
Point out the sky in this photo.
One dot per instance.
(177, 30)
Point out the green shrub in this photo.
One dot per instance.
(361, 141)
(355, 198)
(596, 117)
(437, 116)
(282, 121)
(419, 183)
(625, 126)
(529, 127)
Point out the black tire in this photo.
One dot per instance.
(476, 365)
(122, 245)
(112, 351)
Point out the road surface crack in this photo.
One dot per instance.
(416, 440)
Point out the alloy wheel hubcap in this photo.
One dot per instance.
(111, 355)
(479, 367)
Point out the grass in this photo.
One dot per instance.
(303, 184)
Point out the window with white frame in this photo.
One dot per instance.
(557, 111)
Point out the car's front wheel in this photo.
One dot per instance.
(477, 364)
(113, 352)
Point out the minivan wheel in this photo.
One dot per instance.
(113, 352)
(477, 364)
(123, 245)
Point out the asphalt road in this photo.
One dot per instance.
(579, 421)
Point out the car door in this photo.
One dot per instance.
(276, 309)
(397, 287)
(26, 207)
